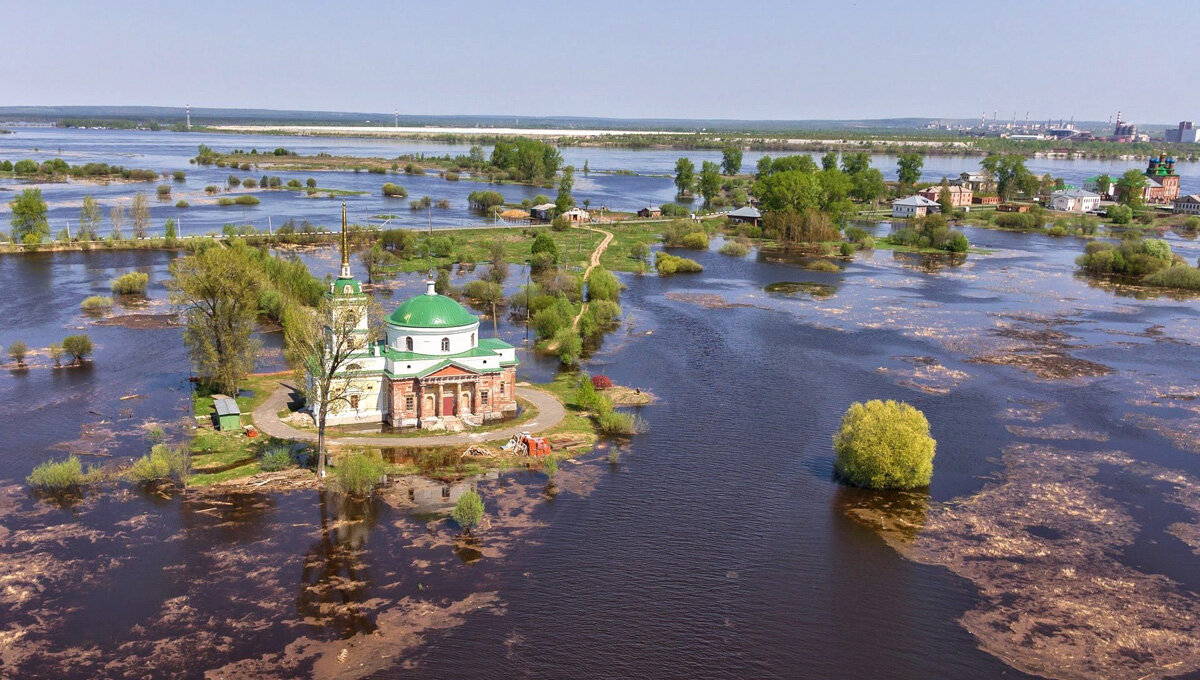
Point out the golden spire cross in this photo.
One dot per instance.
(345, 273)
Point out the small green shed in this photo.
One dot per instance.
(229, 416)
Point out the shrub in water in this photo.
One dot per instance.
(394, 190)
(735, 249)
(162, 464)
(668, 264)
(884, 445)
(468, 510)
(78, 346)
(358, 473)
(57, 475)
(96, 303)
(133, 283)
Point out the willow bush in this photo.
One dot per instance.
(884, 445)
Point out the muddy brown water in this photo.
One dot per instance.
(719, 545)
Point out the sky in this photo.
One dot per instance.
(738, 59)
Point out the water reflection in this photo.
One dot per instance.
(335, 581)
(894, 515)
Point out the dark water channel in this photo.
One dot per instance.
(717, 546)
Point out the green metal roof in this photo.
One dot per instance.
(431, 311)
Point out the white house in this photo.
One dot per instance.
(914, 206)
(1074, 200)
(1187, 205)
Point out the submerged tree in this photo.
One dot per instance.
(140, 211)
(117, 217)
(731, 160)
(89, 219)
(217, 290)
(468, 510)
(29, 217)
(685, 176)
(710, 180)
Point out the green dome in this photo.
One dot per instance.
(431, 311)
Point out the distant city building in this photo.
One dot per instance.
(1185, 133)
(1187, 205)
(1074, 200)
(1123, 131)
(914, 206)
(959, 195)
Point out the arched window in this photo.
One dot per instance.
(354, 367)
(408, 343)
(445, 344)
(347, 289)
(472, 339)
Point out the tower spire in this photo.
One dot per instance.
(345, 273)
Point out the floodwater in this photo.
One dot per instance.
(717, 544)
(168, 151)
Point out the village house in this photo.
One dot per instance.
(914, 206)
(991, 199)
(960, 195)
(1186, 205)
(1074, 200)
(650, 211)
(1013, 207)
(1093, 184)
(577, 215)
(746, 214)
(431, 370)
(543, 212)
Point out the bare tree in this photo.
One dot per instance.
(89, 219)
(141, 215)
(117, 217)
(322, 344)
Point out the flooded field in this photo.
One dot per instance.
(1060, 536)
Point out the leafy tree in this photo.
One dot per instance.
(391, 190)
(544, 243)
(56, 353)
(78, 346)
(763, 167)
(170, 231)
(829, 161)
(565, 184)
(685, 176)
(1104, 183)
(322, 343)
(218, 289)
(29, 217)
(1119, 214)
(884, 445)
(731, 160)
(944, 198)
(1131, 187)
(468, 510)
(868, 185)
(854, 164)
(710, 180)
(1011, 175)
(908, 168)
(89, 219)
(17, 350)
(373, 259)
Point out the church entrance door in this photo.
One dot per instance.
(448, 405)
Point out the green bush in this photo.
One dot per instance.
(1119, 214)
(1133, 257)
(133, 283)
(179, 175)
(618, 423)
(668, 264)
(639, 251)
(603, 285)
(846, 249)
(275, 459)
(697, 240)
(163, 191)
(391, 190)
(59, 475)
(182, 204)
(570, 345)
(246, 199)
(1179, 276)
(96, 304)
(884, 445)
(468, 510)
(357, 473)
(225, 201)
(163, 463)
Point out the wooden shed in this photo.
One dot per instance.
(229, 416)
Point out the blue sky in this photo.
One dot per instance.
(734, 59)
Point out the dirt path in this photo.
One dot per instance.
(266, 418)
(595, 262)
